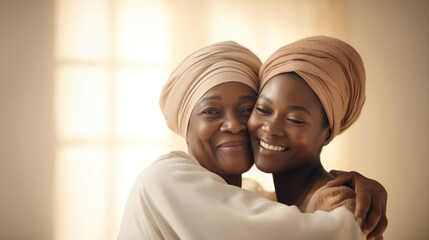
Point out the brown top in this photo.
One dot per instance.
(328, 198)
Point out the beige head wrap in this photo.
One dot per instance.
(199, 72)
(332, 68)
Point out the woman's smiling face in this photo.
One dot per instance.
(287, 127)
(217, 132)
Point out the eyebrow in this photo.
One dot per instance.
(299, 108)
(266, 99)
(205, 99)
(245, 97)
(293, 107)
(248, 97)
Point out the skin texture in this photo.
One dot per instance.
(217, 132)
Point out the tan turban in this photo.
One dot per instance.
(332, 68)
(199, 72)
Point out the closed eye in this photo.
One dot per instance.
(295, 121)
(262, 110)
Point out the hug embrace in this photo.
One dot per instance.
(234, 112)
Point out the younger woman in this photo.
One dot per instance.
(311, 91)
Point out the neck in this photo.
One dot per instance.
(234, 180)
(297, 187)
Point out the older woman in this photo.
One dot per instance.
(311, 91)
(208, 100)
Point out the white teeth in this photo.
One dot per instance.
(272, 147)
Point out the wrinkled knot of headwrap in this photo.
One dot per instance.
(332, 68)
(199, 72)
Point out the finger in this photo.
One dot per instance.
(335, 172)
(342, 179)
(379, 230)
(373, 218)
(363, 204)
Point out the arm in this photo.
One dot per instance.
(371, 200)
(176, 198)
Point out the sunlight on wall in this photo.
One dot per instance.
(233, 20)
(81, 97)
(142, 31)
(81, 192)
(112, 59)
(82, 30)
(145, 118)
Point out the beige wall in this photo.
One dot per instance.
(388, 143)
(26, 120)
(390, 140)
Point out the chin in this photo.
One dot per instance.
(238, 171)
(266, 166)
(263, 168)
(236, 163)
(235, 168)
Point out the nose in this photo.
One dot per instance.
(273, 126)
(233, 124)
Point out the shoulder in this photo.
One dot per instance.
(328, 198)
(166, 164)
(171, 170)
(335, 193)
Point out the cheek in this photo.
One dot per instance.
(205, 130)
(300, 138)
(307, 141)
(199, 141)
(253, 123)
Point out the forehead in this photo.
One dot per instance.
(289, 88)
(228, 90)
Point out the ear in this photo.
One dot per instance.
(327, 135)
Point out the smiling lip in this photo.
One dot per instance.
(267, 146)
(234, 146)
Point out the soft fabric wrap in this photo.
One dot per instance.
(199, 72)
(332, 68)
